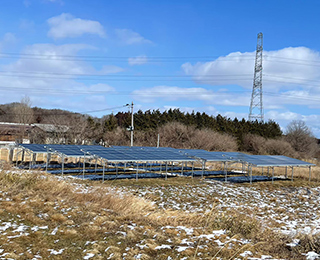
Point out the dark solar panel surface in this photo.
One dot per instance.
(68, 150)
(208, 156)
(127, 154)
(36, 148)
(275, 160)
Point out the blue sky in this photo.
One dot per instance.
(193, 55)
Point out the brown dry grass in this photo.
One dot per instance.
(80, 212)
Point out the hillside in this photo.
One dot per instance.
(175, 128)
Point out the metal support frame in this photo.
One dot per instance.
(103, 169)
(225, 172)
(166, 170)
(309, 173)
(117, 170)
(286, 174)
(84, 166)
(202, 169)
(182, 168)
(171, 168)
(192, 170)
(47, 161)
(62, 164)
(137, 172)
(292, 174)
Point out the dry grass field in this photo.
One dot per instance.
(49, 217)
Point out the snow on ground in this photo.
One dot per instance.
(289, 210)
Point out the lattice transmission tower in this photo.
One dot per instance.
(256, 105)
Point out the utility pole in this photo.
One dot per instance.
(132, 127)
(256, 106)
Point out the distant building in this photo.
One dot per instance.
(32, 133)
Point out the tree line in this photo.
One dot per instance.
(151, 120)
(176, 129)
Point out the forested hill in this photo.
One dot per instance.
(143, 121)
(153, 119)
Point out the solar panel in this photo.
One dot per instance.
(68, 150)
(127, 154)
(275, 160)
(205, 155)
(35, 148)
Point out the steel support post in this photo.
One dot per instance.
(104, 166)
(137, 172)
(84, 166)
(251, 174)
(309, 173)
(192, 170)
(47, 161)
(30, 162)
(286, 174)
(225, 172)
(182, 169)
(62, 164)
(116, 170)
(272, 174)
(292, 174)
(171, 168)
(166, 170)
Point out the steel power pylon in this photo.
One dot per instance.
(256, 105)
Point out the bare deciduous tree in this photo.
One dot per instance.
(23, 114)
(301, 138)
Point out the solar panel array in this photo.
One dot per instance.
(275, 160)
(152, 154)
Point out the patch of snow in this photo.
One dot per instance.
(88, 256)
(163, 247)
(312, 255)
(182, 248)
(55, 252)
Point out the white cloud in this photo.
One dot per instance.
(129, 37)
(139, 60)
(173, 93)
(281, 69)
(66, 25)
(50, 77)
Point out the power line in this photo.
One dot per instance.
(94, 58)
(122, 75)
(49, 113)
